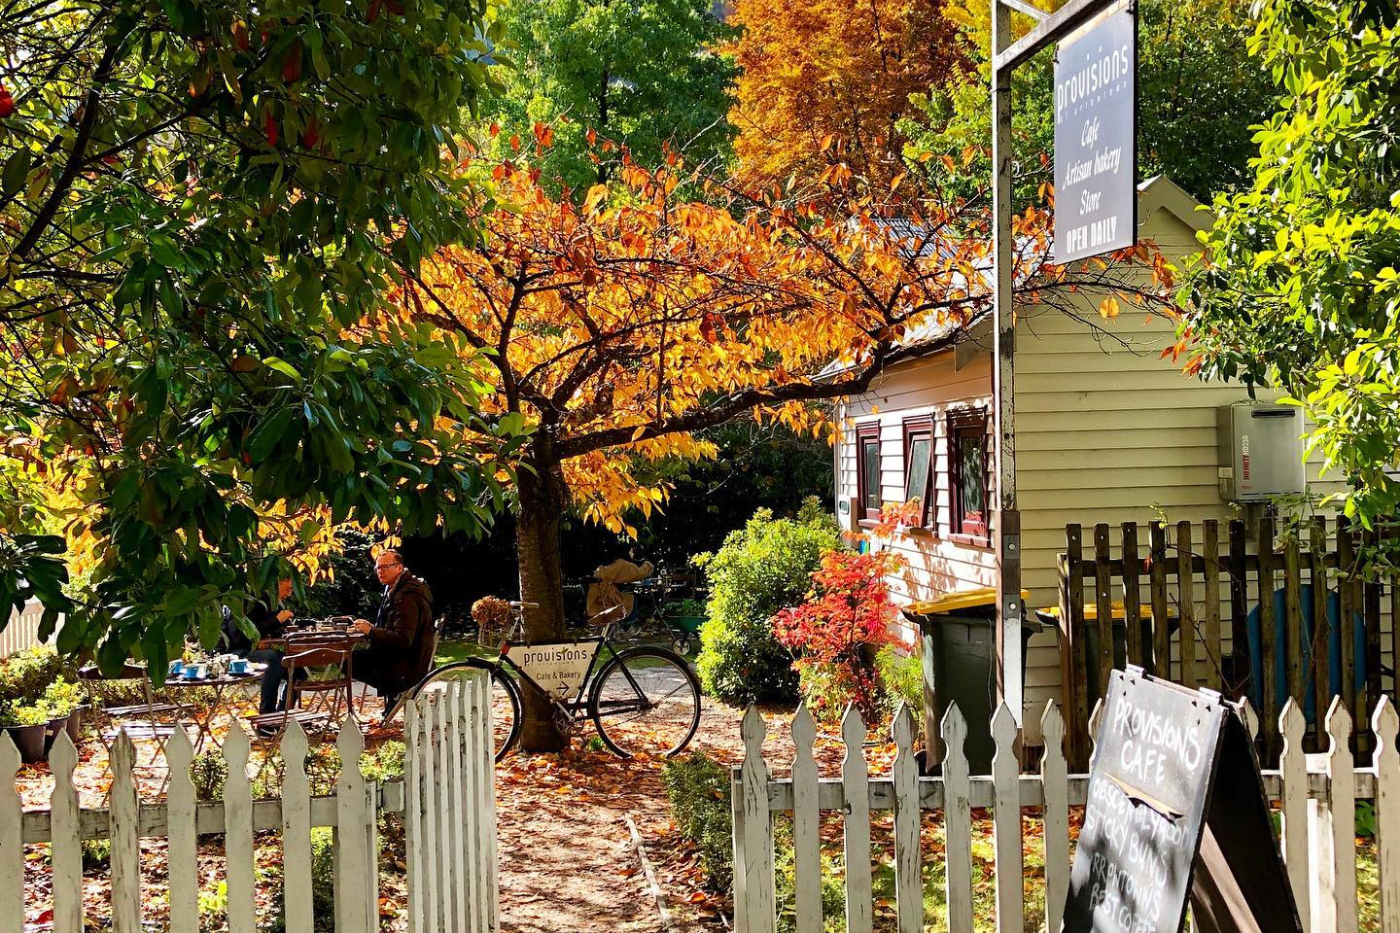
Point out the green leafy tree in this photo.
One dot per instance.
(203, 204)
(636, 74)
(1199, 94)
(1299, 285)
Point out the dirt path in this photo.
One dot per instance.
(567, 860)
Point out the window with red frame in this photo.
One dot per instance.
(968, 460)
(868, 469)
(918, 466)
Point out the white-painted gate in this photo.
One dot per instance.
(447, 800)
(1316, 796)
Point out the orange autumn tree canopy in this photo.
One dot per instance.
(618, 328)
(825, 81)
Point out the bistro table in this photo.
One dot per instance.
(201, 715)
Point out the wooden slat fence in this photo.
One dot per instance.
(1316, 794)
(448, 746)
(1205, 589)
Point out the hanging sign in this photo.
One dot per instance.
(1096, 139)
(1175, 806)
(556, 667)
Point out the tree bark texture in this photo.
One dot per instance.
(543, 497)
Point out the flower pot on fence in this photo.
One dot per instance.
(30, 741)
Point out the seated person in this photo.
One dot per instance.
(399, 652)
(270, 619)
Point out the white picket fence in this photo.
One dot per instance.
(1317, 795)
(22, 629)
(447, 800)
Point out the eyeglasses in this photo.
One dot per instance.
(378, 568)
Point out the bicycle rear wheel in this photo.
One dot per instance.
(505, 697)
(646, 701)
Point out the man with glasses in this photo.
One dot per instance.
(400, 640)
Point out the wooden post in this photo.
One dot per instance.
(238, 834)
(296, 830)
(1268, 639)
(855, 782)
(1132, 621)
(1103, 599)
(1293, 619)
(1161, 665)
(1008, 520)
(1075, 626)
(1386, 761)
(1346, 616)
(806, 826)
(957, 823)
(125, 854)
(1211, 545)
(1054, 778)
(11, 840)
(1322, 629)
(755, 910)
(1006, 821)
(1186, 603)
(1293, 772)
(904, 775)
(67, 848)
(1239, 607)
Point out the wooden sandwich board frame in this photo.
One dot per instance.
(1176, 806)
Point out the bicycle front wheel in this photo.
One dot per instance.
(505, 697)
(646, 701)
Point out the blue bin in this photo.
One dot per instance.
(1334, 652)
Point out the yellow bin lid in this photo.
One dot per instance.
(962, 599)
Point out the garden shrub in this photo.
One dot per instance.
(322, 891)
(698, 788)
(902, 678)
(208, 772)
(25, 675)
(836, 633)
(762, 568)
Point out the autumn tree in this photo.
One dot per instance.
(619, 327)
(202, 203)
(642, 76)
(827, 82)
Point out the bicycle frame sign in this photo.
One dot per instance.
(560, 668)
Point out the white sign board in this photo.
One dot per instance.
(1096, 139)
(559, 667)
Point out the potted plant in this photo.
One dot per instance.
(65, 702)
(27, 726)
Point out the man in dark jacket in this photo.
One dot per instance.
(400, 649)
(270, 619)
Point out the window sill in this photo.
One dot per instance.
(978, 541)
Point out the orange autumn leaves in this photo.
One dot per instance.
(631, 321)
(823, 83)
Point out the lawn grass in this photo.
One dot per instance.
(452, 648)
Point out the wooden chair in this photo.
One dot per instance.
(335, 656)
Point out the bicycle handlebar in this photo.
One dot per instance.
(519, 604)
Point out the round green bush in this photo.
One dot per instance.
(763, 567)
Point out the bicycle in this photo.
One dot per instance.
(642, 700)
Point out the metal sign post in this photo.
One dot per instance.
(1006, 56)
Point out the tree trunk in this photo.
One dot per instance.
(543, 496)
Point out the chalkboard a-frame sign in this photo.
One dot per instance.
(1175, 806)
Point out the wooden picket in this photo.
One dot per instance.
(450, 810)
(1184, 576)
(1317, 795)
(449, 746)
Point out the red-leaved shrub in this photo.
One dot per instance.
(836, 632)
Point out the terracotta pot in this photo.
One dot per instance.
(30, 742)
